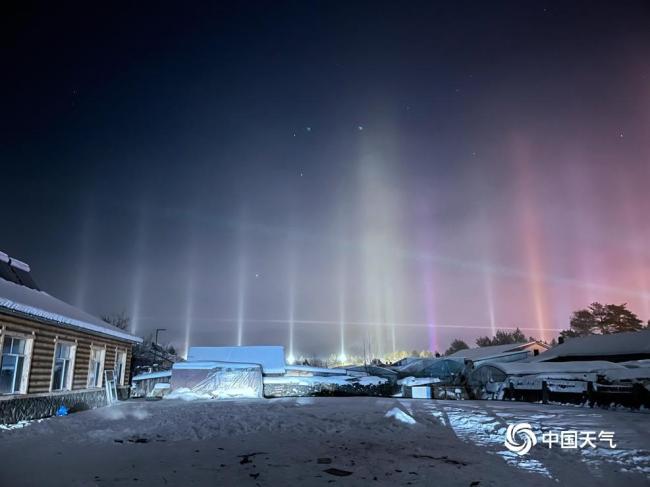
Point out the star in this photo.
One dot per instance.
(308, 129)
(257, 275)
(360, 127)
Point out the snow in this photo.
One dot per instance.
(39, 304)
(340, 380)
(532, 368)
(4, 257)
(631, 343)
(401, 416)
(271, 358)
(482, 353)
(294, 441)
(19, 264)
(418, 381)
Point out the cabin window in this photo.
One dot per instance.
(96, 367)
(120, 366)
(14, 365)
(63, 369)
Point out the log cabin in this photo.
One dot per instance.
(52, 353)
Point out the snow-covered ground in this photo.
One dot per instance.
(320, 441)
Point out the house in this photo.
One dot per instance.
(513, 352)
(617, 347)
(53, 354)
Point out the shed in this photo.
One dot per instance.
(217, 379)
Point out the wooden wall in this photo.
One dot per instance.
(45, 337)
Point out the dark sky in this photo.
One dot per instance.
(324, 174)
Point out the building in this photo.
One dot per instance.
(513, 352)
(53, 354)
(617, 347)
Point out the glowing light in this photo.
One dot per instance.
(532, 235)
(189, 312)
(138, 274)
(291, 359)
(241, 297)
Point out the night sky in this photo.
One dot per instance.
(394, 174)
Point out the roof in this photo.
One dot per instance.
(271, 358)
(211, 364)
(481, 353)
(152, 375)
(532, 368)
(630, 343)
(20, 299)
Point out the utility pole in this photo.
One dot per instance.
(157, 330)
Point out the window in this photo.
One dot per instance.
(96, 367)
(14, 365)
(63, 369)
(120, 367)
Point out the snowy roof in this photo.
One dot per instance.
(152, 375)
(212, 364)
(531, 368)
(271, 358)
(631, 343)
(39, 304)
(481, 353)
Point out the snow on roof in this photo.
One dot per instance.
(481, 353)
(4, 257)
(39, 304)
(532, 368)
(630, 343)
(152, 375)
(19, 264)
(271, 358)
(212, 364)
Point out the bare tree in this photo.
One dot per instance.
(120, 320)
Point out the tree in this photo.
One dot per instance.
(120, 320)
(456, 345)
(599, 319)
(504, 337)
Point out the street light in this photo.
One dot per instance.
(157, 330)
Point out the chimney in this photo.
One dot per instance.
(22, 270)
(6, 272)
(560, 340)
